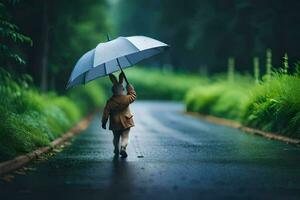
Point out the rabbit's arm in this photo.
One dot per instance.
(131, 94)
(106, 112)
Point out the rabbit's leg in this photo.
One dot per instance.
(116, 141)
(125, 138)
(124, 142)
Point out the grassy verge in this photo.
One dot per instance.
(221, 98)
(271, 105)
(30, 119)
(274, 105)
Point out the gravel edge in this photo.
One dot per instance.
(21, 160)
(234, 124)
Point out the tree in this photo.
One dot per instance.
(61, 32)
(10, 35)
(207, 32)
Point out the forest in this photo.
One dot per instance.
(235, 59)
(205, 33)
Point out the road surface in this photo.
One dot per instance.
(171, 156)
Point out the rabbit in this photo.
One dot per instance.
(117, 88)
(119, 115)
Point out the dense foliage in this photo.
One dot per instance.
(204, 33)
(48, 39)
(220, 97)
(10, 34)
(271, 105)
(60, 31)
(274, 105)
(30, 119)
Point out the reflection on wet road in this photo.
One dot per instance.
(171, 156)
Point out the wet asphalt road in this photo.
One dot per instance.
(171, 156)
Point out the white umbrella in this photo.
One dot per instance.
(114, 55)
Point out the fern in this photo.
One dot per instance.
(10, 34)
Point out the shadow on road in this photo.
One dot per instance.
(122, 175)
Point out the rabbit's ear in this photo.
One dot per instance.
(121, 78)
(113, 79)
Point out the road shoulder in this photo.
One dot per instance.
(21, 160)
(245, 129)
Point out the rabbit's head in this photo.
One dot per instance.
(117, 88)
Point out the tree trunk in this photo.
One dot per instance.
(52, 82)
(45, 48)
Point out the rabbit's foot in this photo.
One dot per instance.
(123, 152)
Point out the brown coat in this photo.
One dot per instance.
(117, 110)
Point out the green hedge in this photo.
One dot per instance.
(272, 105)
(221, 97)
(30, 119)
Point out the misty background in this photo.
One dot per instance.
(202, 34)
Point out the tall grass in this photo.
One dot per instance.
(271, 105)
(274, 105)
(31, 119)
(89, 96)
(222, 97)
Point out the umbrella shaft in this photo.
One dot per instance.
(122, 71)
(108, 39)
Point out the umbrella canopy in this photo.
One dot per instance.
(111, 56)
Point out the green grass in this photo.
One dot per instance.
(220, 97)
(89, 96)
(272, 105)
(30, 119)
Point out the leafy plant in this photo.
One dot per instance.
(10, 33)
(221, 97)
(275, 105)
(31, 119)
(271, 105)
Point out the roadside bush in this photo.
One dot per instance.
(274, 105)
(271, 105)
(30, 119)
(88, 97)
(221, 97)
